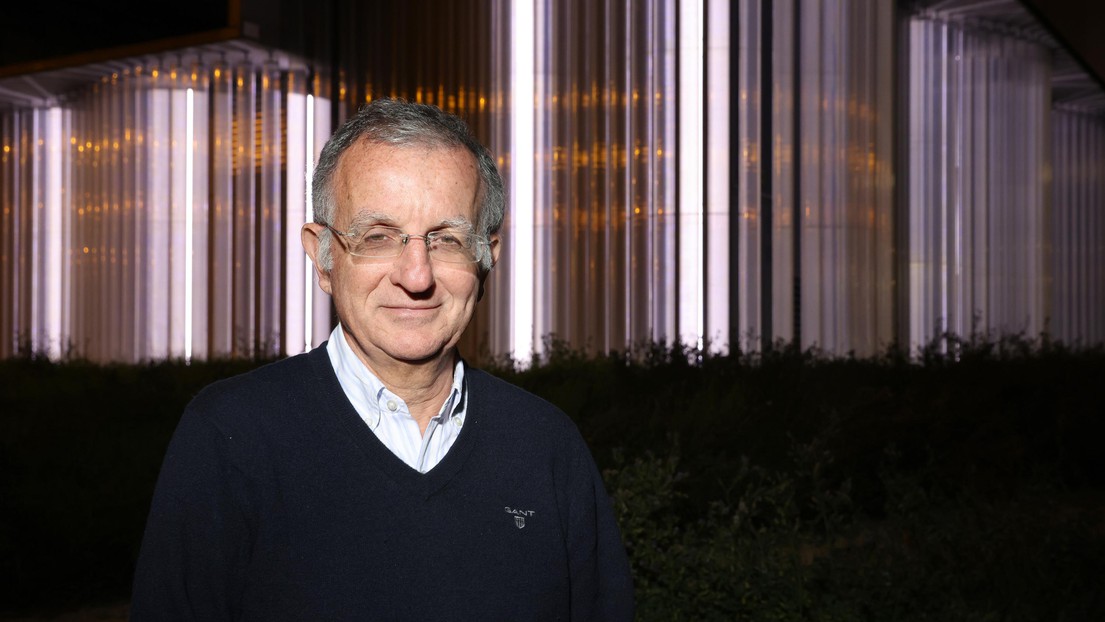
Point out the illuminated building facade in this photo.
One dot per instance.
(840, 173)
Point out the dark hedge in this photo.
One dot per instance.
(966, 482)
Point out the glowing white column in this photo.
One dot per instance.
(309, 216)
(691, 127)
(189, 241)
(717, 181)
(521, 177)
(56, 143)
(297, 288)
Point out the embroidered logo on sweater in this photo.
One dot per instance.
(519, 516)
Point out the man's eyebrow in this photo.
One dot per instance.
(460, 222)
(370, 218)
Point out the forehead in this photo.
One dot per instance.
(405, 182)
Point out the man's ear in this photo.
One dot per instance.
(309, 235)
(494, 246)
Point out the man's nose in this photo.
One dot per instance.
(413, 269)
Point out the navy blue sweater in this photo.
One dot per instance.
(276, 502)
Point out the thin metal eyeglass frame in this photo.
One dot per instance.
(405, 237)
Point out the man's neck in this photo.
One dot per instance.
(423, 385)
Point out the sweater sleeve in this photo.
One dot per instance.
(197, 535)
(601, 584)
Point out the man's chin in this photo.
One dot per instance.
(419, 355)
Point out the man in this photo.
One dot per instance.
(378, 477)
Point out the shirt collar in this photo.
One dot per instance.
(362, 386)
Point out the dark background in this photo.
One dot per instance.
(35, 31)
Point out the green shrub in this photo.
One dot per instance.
(966, 483)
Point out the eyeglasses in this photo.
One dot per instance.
(379, 242)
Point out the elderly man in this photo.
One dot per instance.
(379, 477)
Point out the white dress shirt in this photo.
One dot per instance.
(387, 415)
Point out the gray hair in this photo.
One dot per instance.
(397, 122)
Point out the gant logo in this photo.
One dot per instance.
(519, 516)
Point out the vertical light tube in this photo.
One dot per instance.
(200, 211)
(295, 299)
(308, 271)
(55, 144)
(523, 341)
(717, 181)
(691, 128)
(189, 172)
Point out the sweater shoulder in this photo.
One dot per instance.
(270, 389)
(525, 410)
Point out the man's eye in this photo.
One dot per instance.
(449, 240)
(377, 236)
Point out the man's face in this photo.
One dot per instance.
(411, 308)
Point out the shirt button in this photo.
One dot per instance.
(459, 421)
(392, 405)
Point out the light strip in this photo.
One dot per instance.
(308, 269)
(522, 170)
(55, 142)
(189, 147)
(691, 295)
(295, 109)
(717, 164)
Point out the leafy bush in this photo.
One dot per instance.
(965, 483)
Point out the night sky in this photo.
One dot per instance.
(33, 30)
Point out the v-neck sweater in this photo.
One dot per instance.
(276, 502)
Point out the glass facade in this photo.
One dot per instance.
(1077, 223)
(155, 213)
(979, 118)
(839, 173)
